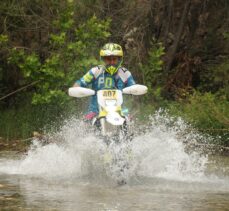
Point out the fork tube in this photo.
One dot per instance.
(103, 129)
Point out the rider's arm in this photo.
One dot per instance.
(125, 78)
(130, 81)
(85, 80)
(76, 84)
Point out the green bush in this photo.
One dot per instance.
(206, 112)
(72, 54)
(153, 72)
(20, 122)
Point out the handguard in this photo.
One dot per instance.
(80, 92)
(136, 89)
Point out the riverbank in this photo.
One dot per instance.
(21, 145)
(24, 145)
(14, 145)
(209, 149)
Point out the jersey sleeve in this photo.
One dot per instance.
(90, 76)
(130, 81)
(86, 79)
(125, 78)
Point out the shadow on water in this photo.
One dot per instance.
(78, 171)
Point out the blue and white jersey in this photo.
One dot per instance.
(100, 79)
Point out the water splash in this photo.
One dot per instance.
(156, 151)
(164, 149)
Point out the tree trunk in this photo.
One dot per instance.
(169, 18)
(172, 52)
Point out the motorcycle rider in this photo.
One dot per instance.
(111, 75)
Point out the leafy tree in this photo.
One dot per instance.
(73, 52)
(153, 71)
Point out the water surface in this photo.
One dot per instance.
(77, 171)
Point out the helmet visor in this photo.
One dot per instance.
(111, 60)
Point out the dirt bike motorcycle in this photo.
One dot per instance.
(112, 121)
(113, 127)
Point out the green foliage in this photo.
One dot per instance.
(216, 79)
(152, 71)
(65, 20)
(93, 29)
(155, 62)
(226, 35)
(58, 39)
(20, 123)
(3, 39)
(30, 65)
(206, 112)
(15, 56)
(71, 57)
(221, 78)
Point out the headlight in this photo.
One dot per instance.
(110, 102)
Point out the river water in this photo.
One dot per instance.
(78, 171)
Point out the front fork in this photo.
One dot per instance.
(103, 126)
(100, 124)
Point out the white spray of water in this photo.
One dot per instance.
(162, 152)
(157, 151)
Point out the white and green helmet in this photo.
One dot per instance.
(112, 49)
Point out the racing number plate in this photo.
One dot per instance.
(109, 94)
